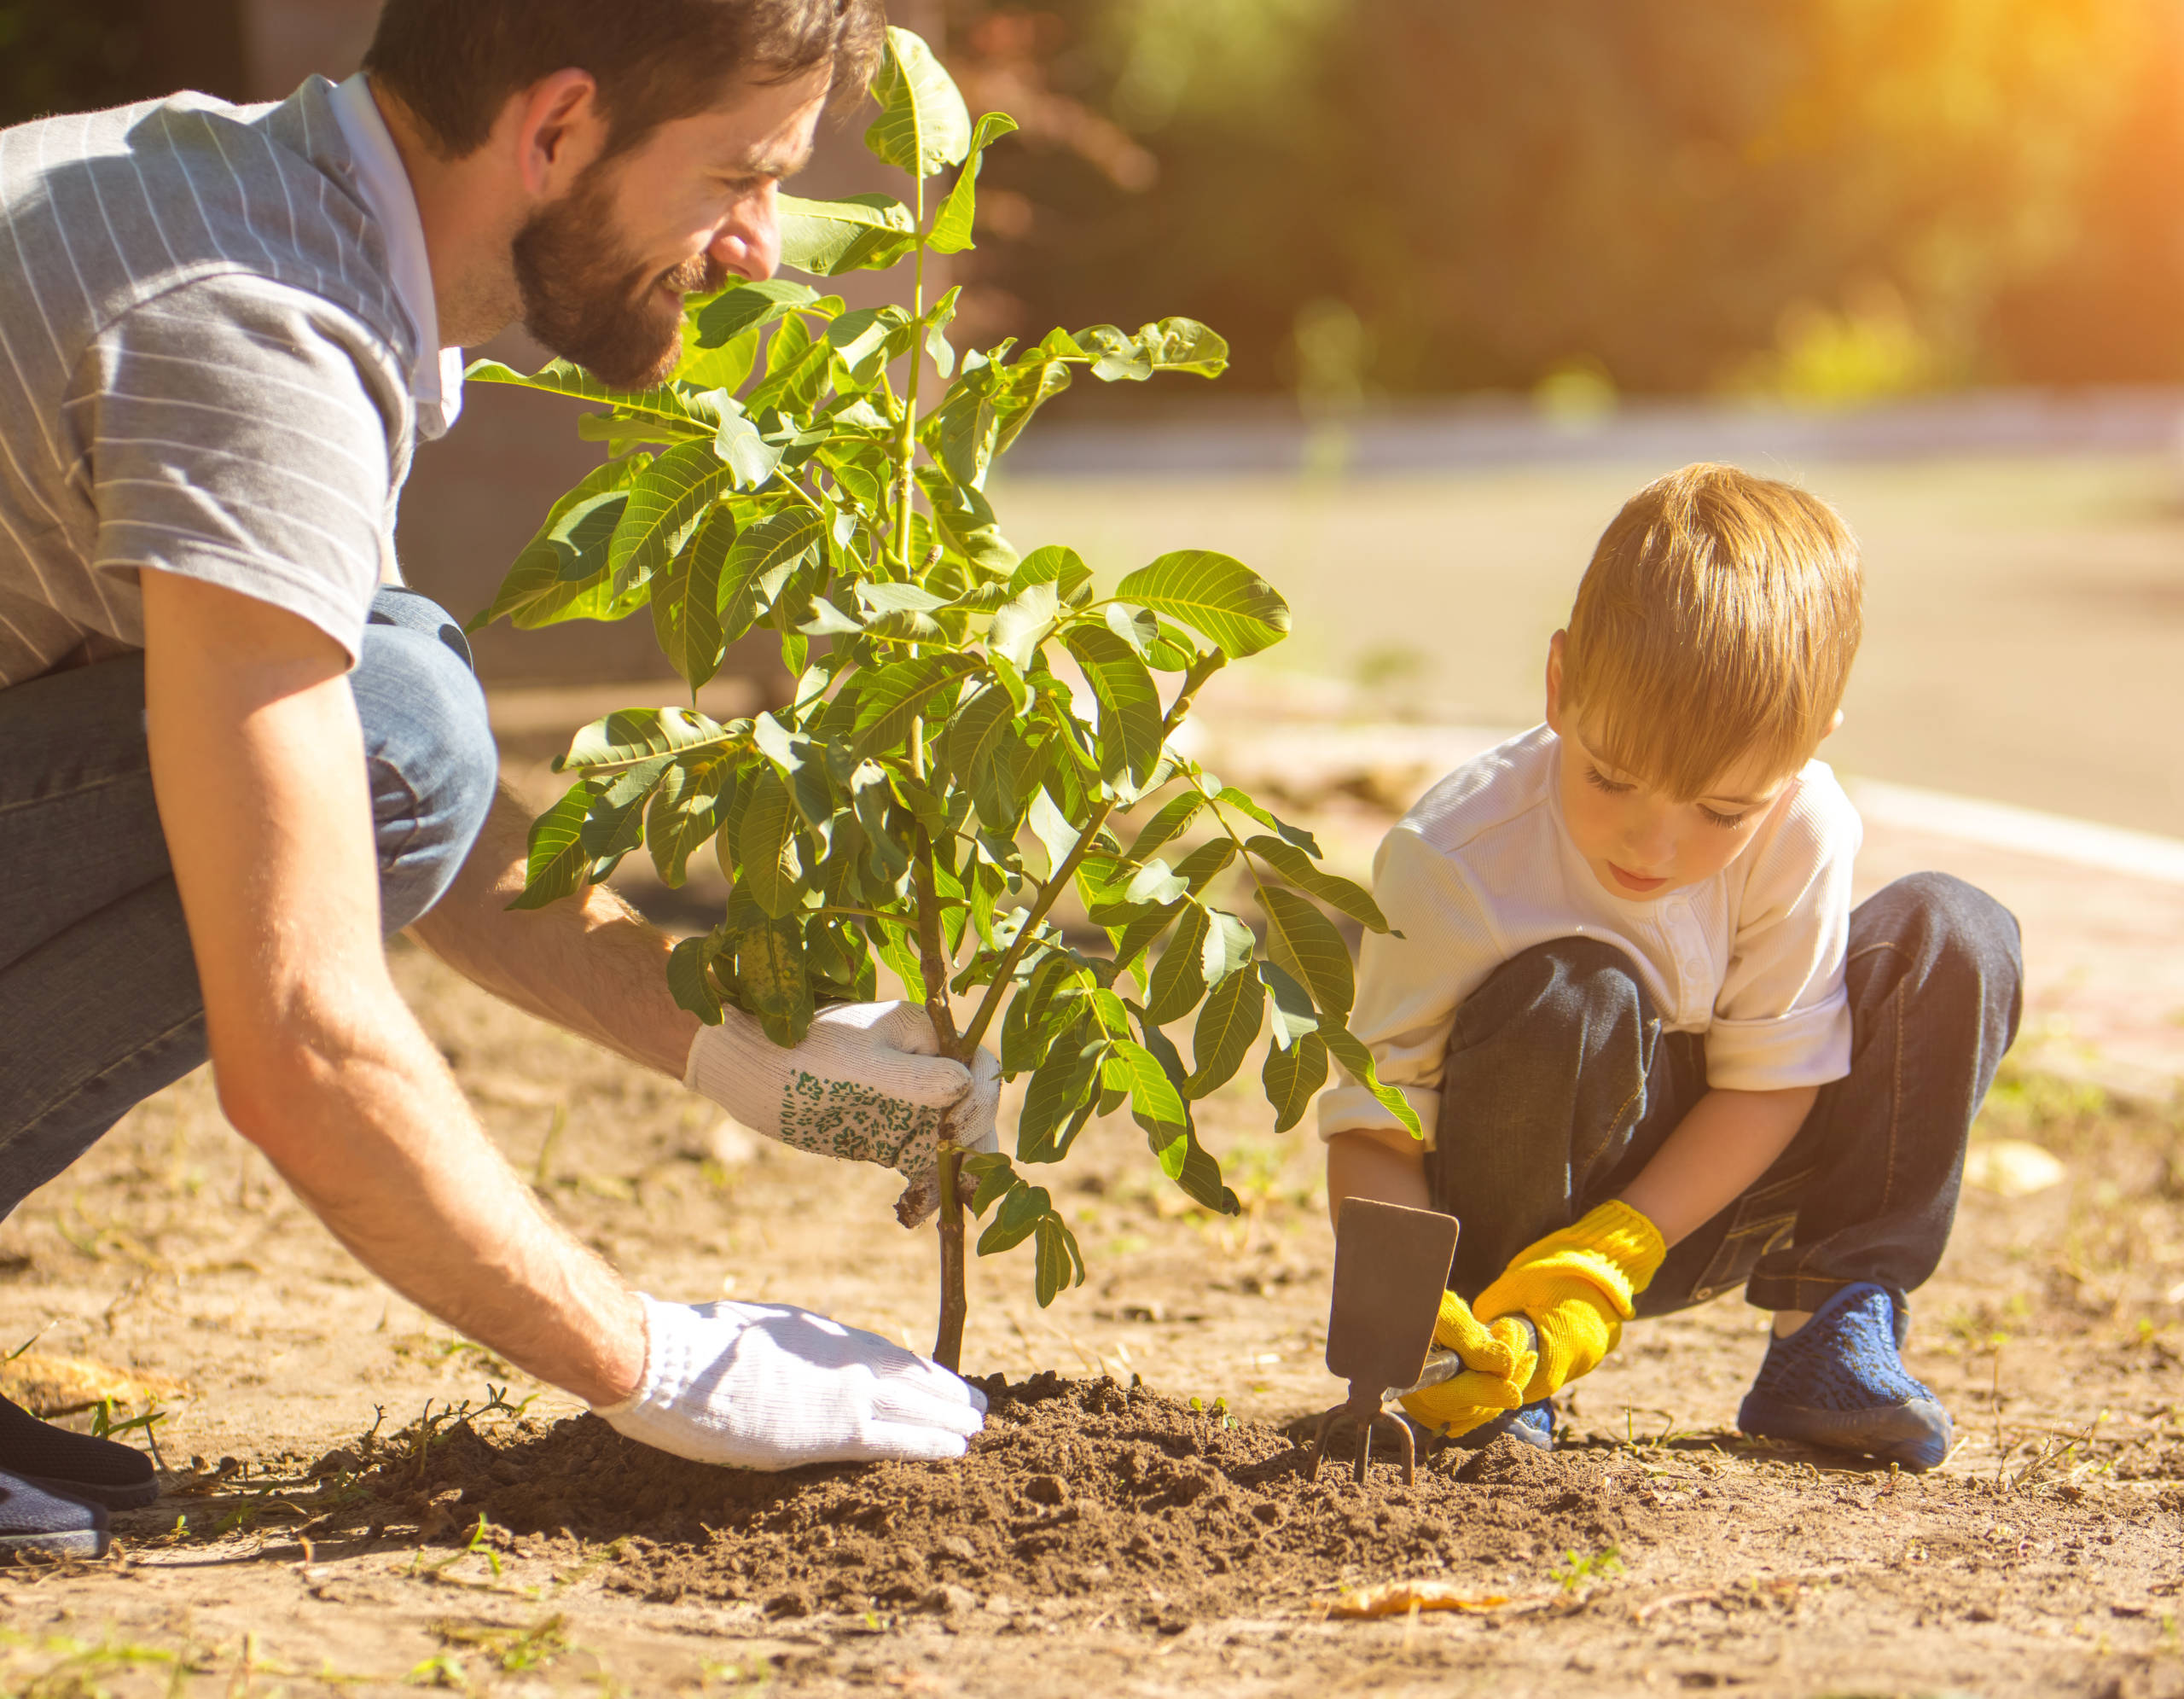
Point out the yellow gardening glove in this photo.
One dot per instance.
(1576, 1286)
(1498, 1361)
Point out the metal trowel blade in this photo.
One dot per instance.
(1390, 1267)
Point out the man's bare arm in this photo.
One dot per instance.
(258, 763)
(590, 964)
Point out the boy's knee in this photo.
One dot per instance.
(1570, 981)
(1958, 930)
(435, 767)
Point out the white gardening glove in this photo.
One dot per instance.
(770, 1386)
(867, 1084)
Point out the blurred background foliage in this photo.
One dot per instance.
(1830, 201)
(1826, 201)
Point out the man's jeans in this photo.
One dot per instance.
(99, 1002)
(1560, 1086)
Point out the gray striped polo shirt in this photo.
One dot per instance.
(204, 368)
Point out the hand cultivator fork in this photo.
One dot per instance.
(1390, 1267)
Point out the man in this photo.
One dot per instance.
(237, 752)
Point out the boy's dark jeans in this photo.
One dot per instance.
(1560, 1086)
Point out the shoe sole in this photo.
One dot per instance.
(71, 1543)
(1914, 1434)
(132, 1497)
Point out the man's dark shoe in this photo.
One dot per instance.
(38, 1523)
(118, 1476)
(1838, 1381)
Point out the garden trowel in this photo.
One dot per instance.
(1390, 1267)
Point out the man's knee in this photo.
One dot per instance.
(433, 765)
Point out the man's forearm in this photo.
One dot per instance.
(1727, 1140)
(590, 964)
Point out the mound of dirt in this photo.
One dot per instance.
(1076, 1491)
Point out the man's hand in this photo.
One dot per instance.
(1577, 1288)
(1499, 1362)
(768, 1386)
(867, 1084)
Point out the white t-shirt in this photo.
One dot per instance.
(1483, 868)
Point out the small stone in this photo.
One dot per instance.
(954, 1545)
(1047, 1489)
(950, 1601)
(338, 1461)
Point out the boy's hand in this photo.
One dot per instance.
(1576, 1286)
(1499, 1361)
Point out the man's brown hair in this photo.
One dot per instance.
(1717, 624)
(456, 63)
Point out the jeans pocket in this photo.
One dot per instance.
(1765, 1219)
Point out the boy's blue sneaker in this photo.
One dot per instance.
(118, 1476)
(36, 1522)
(1532, 1425)
(1838, 1381)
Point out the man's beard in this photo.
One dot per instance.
(589, 298)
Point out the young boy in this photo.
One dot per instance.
(1656, 1051)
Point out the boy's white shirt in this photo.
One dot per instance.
(1483, 868)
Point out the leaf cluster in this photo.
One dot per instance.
(970, 728)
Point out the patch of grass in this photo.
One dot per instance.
(1576, 1571)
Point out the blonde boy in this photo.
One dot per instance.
(1657, 1052)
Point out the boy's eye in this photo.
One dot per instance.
(1728, 823)
(1599, 782)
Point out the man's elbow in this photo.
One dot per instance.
(279, 1075)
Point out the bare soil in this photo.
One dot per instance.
(359, 1501)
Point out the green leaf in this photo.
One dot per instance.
(1020, 624)
(666, 504)
(562, 572)
(745, 306)
(1057, 834)
(857, 233)
(1054, 1248)
(631, 734)
(990, 1177)
(686, 602)
(967, 521)
(1178, 980)
(560, 377)
(1154, 1102)
(1174, 345)
(980, 750)
(615, 824)
(1234, 1010)
(1294, 1017)
(1304, 944)
(1242, 804)
(690, 981)
(760, 564)
(951, 226)
(770, 972)
(1292, 1076)
(796, 371)
(896, 696)
(1130, 720)
(684, 812)
(1229, 947)
(923, 123)
(1354, 1055)
(1020, 1212)
(556, 865)
(1199, 868)
(749, 457)
(1173, 819)
(1221, 598)
(1301, 871)
(1063, 568)
(1059, 1087)
(772, 866)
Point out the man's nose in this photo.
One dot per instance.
(749, 240)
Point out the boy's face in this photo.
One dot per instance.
(1638, 840)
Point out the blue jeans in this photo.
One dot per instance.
(1560, 1086)
(99, 1001)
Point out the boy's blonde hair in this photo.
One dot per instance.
(1716, 623)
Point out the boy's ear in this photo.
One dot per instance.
(1554, 683)
(1833, 726)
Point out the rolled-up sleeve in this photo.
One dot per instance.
(1409, 987)
(1782, 1020)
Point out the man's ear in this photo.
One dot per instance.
(1555, 681)
(556, 128)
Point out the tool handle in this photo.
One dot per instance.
(1444, 1365)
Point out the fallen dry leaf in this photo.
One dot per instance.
(1398, 1598)
(60, 1386)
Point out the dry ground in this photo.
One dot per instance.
(2045, 1558)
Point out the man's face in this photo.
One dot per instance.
(603, 270)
